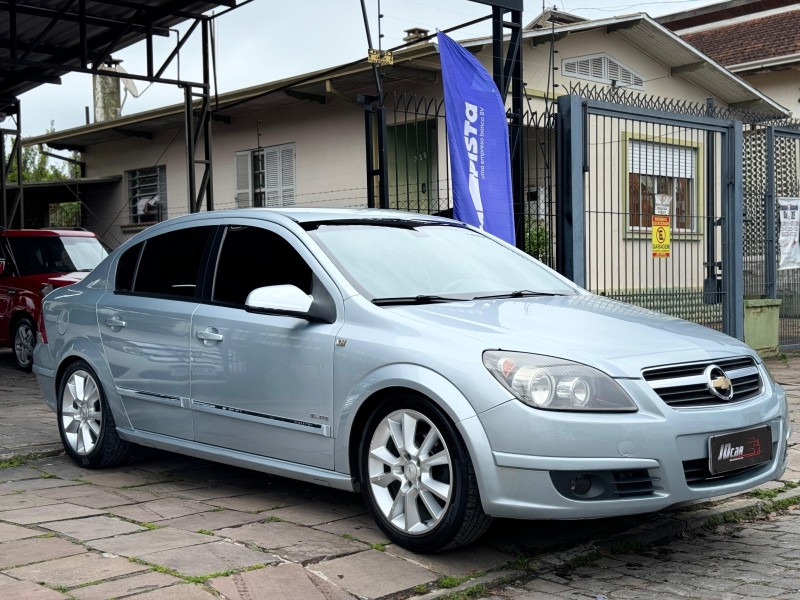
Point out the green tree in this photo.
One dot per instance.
(36, 166)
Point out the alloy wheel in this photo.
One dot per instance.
(81, 412)
(23, 344)
(410, 472)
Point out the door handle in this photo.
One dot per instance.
(115, 322)
(209, 335)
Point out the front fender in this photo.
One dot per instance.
(413, 377)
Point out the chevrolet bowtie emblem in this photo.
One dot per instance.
(718, 383)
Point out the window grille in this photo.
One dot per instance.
(147, 194)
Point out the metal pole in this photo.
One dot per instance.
(190, 147)
(570, 224)
(3, 178)
(733, 234)
(20, 182)
(770, 259)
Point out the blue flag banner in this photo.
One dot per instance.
(477, 132)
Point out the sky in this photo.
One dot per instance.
(267, 40)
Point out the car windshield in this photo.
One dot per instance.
(432, 263)
(63, 254)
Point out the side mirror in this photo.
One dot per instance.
(280, 300)
(291, 301)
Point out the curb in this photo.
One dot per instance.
(656, 532)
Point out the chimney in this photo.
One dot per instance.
(106, 94)
(414, 34)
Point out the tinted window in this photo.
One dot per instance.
(250, 258)
(126, 268)
(170, 263)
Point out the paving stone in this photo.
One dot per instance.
(374, 574)
(18, 474)
(122, 478)
(215, 557)
(211, 521)
(160, 510)
(10, 532)
(23, 500)
(184, 591)
(28, 590)
(126, 586)
(258, 502)
(75, 570)
(97, 497)
(361, 527)
(31, 550)
(138, 544)
(93, 528)
(29, 485)
(294, 542)
(474, 558)
(315, 513)
(282, 581)
(43, 514)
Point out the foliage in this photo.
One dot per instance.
(37, 167)
(538, 240)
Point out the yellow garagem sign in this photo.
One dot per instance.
(660, 231)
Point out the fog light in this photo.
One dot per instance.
(581, 485)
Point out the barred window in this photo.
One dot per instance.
(147, 194)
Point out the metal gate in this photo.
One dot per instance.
(651, 208)
(772, 169)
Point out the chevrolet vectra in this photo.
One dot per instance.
(444, 375)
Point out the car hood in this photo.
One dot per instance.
(617, 338)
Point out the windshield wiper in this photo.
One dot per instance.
(518, 294)
(421, 299)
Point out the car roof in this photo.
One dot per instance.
(319, 215)
(46, 233)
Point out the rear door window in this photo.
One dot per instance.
(165, 265)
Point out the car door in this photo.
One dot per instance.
(263, 384)
(145, 326)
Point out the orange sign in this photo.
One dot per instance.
(660, 231)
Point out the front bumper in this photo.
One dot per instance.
(526, 460)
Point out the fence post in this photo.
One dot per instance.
(733, 236)
(570, 205)
(770, 260)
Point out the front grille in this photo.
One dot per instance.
(698, 473)
(685, 386)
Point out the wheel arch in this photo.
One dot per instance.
(82, 349)
(385, 383)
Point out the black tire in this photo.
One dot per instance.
(461, 519)
(23, 339)
(85, 422)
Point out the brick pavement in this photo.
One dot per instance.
(174, 527)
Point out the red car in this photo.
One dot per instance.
(32, 263)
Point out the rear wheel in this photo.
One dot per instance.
(417, 477)
(85, 422)
(24, 340)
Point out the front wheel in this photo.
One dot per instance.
(24, 337)
(417, 477)
(85, 422)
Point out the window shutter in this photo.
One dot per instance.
(287, 175)
(279, 175)
(244, 180)
(648, 158)
(272, 179)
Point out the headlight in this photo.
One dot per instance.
(555, 383)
